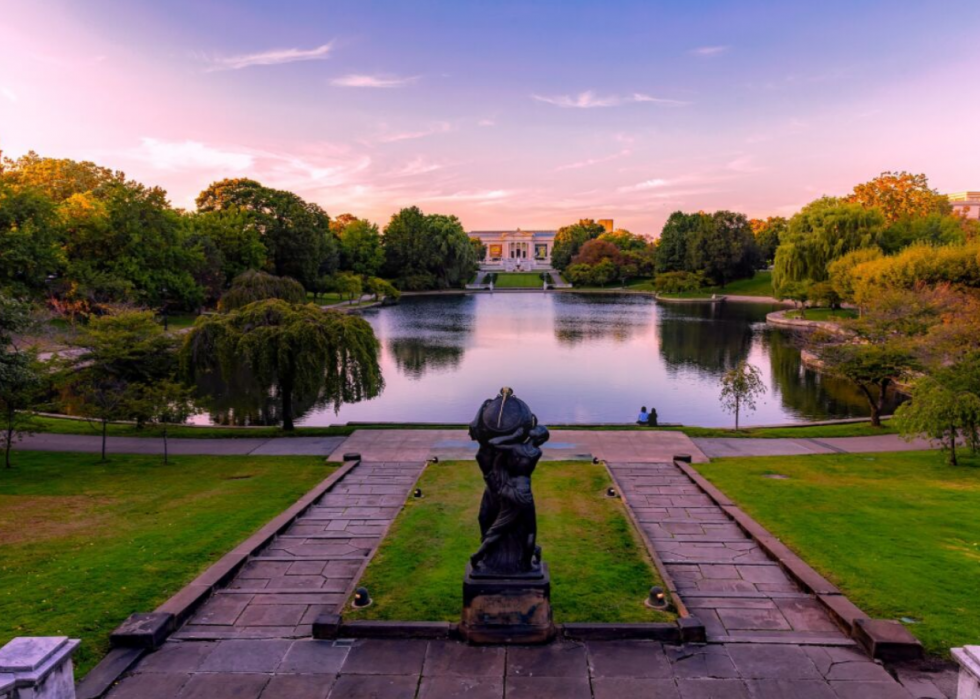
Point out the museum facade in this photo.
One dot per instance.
(519, 249)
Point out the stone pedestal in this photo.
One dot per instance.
(968, 658)
(507, 610)
(37, 668)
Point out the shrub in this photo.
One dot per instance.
(678, 282)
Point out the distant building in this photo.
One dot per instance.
(521, 250)
(966, 204)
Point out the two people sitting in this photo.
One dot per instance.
(647, 418)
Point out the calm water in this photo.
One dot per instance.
(575, 358)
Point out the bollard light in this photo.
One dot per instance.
(657, 598)
(361, 597)
(595, 459)
(433, 459)
(611, 492)
(417, 493)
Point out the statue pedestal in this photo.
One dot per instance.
(507, 610)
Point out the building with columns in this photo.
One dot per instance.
(966, 204)
(520, 250)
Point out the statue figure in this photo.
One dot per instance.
(510, 439)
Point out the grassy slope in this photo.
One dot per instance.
(64, 426)
(599, 568)
(759, 285)
(83, 544)
(518, 280)
(898, 533)
(824, 314)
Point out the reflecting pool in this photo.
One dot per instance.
(575, 358)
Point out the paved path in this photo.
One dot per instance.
(311, 568)
(719, 447)
(624, 445)
(406, 669)
(241, 446)
(722, 575)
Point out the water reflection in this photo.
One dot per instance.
(574, 357)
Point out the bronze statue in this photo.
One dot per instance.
(510, 438)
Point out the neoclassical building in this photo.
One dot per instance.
(518, 249)
(966, 204)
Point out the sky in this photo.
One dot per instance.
(506, 114)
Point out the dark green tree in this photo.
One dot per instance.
(253, 286)
(722, 247)
(672, 247)
(30, 241)
(20, 375)
(361, 251)
(570, 239)
(290, 349)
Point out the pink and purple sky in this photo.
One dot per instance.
(507, 114)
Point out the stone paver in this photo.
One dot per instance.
(239, 446)
(310, 568)
(441, 670)
(722, 576)
(626, 445)
(717, 447)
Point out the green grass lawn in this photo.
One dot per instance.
(84, 544)
(899, 533)
(518, 280)
(824, 314)
(600, 570)
(56, 425)
(759, 285)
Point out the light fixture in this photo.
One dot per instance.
(611, 492)
(433, 459)
(657, 598)
(417, 493)
(595, 459)
(361, 597)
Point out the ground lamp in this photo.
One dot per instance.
(417, 493)
(611, 492)
(657, 598)
(361, 597)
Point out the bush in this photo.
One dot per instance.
(678, 282)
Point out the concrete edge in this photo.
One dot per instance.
(878, 637)
(130, 643)
(381, 539)
(682, 611)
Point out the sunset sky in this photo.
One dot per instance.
(508, 114)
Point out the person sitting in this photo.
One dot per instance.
(652, 418)
(644, 417)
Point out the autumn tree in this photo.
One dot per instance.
(741, 386)
(292, 350)
(570, 239)
(900, 195)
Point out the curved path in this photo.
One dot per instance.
(396, 445)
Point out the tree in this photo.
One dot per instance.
(825, 294)
(740, 387)
(381, 288)
(677, 282)
(626, 241)
(235, 236)
(20, 376)
(428, 252)
(30, 241)
(900, 195)
(253, 286)
(722, 247)
(118, 354)
(570, 239)
(296, 234)
(361, 251)
(672, 246)
(595, 251)
(873, 368)
(58, 178)
(293, 349)
(348, 286)
(840, 272)
(941, 412)
(165, 403)
(798, 292)
(768, 233)
(820, 233)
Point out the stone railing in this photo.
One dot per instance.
(38, 668)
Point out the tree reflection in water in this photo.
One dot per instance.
(588, 317)
(710, 338)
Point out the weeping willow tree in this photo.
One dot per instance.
(821, 232)
(291, 349)
(251, 286)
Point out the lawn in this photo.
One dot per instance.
(825, 314)
(899, 533)
(83, 544)
(600, 570)
(518, 280)
(56, 425)
(759, 285)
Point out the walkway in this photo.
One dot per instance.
(312, 567)
(404, 444)
(722, 575)
(406, 669)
